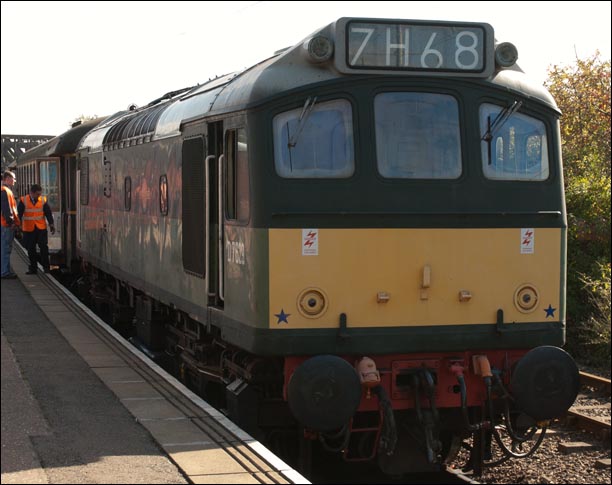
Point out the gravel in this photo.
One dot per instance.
(550, 464)
(589, 404)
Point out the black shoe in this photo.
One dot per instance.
(31, 272)
(11, 276)
(47, 270)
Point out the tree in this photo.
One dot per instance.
(582, 92)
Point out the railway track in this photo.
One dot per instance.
(601, 384)
(591, 411)
(576, 448)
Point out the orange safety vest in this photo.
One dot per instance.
(12, 206)
(33, 215)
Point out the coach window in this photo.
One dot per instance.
(49, 183)
(417, 135)
(163, 195)
(315, 140)
(127, 201)
(237, 176)
(513, 146)
(84, 181)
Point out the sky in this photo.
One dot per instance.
(64, 60)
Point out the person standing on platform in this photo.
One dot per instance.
(10, 223)
(32, 210)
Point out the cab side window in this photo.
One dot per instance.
(237, 190)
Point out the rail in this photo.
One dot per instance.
(577, 415)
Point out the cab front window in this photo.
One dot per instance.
(417, 136)
(315, 141)
(514, 145)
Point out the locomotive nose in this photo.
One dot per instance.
(324, 392)
(545, 382)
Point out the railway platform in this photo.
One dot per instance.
(79, 406)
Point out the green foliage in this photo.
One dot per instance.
(582, 92)
(592, 337)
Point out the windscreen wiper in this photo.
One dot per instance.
(499, 121)
(308, 105)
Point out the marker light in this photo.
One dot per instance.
(506, 54)
(526, 298)
(320, 48)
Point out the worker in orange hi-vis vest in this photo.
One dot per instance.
(33, 209)
(10, 223)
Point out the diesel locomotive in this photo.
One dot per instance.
(361, 238)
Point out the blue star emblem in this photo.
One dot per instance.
(550, 311)
(282, 316)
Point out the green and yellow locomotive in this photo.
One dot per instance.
(362, 236)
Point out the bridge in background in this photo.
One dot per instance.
(13, 146)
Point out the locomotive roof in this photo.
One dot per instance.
(287, 70)
(67, 142)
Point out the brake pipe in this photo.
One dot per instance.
(458, 369)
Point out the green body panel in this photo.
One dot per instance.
(377, 340)
(368, 200)
(246, 275)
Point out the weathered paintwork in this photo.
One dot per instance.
(140, 244)
(377, 235)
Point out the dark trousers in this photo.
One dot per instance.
(30, 240)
